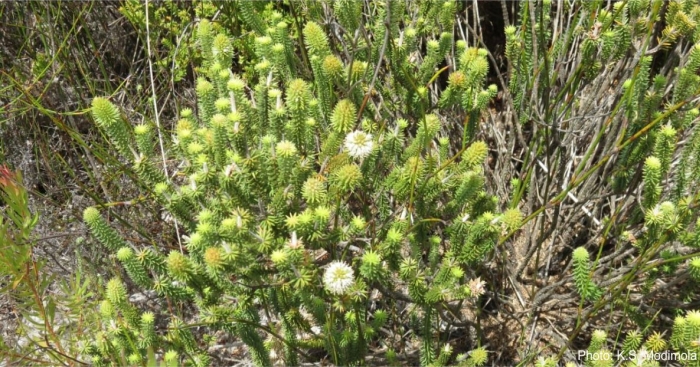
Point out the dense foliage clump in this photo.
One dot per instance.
(375, 183)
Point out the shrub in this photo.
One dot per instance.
(301, 206)
(330, 207)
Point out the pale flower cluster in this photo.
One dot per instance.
(359, 144)
(477, 287)
(338, 278)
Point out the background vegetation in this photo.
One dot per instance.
(584, 202)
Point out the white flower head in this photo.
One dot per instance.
(477, 287)
(359, 144)
(338, 277)
(641, 356)
(294, 242)
(447, 349)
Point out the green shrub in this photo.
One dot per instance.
(402, 195)
(299, 205)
